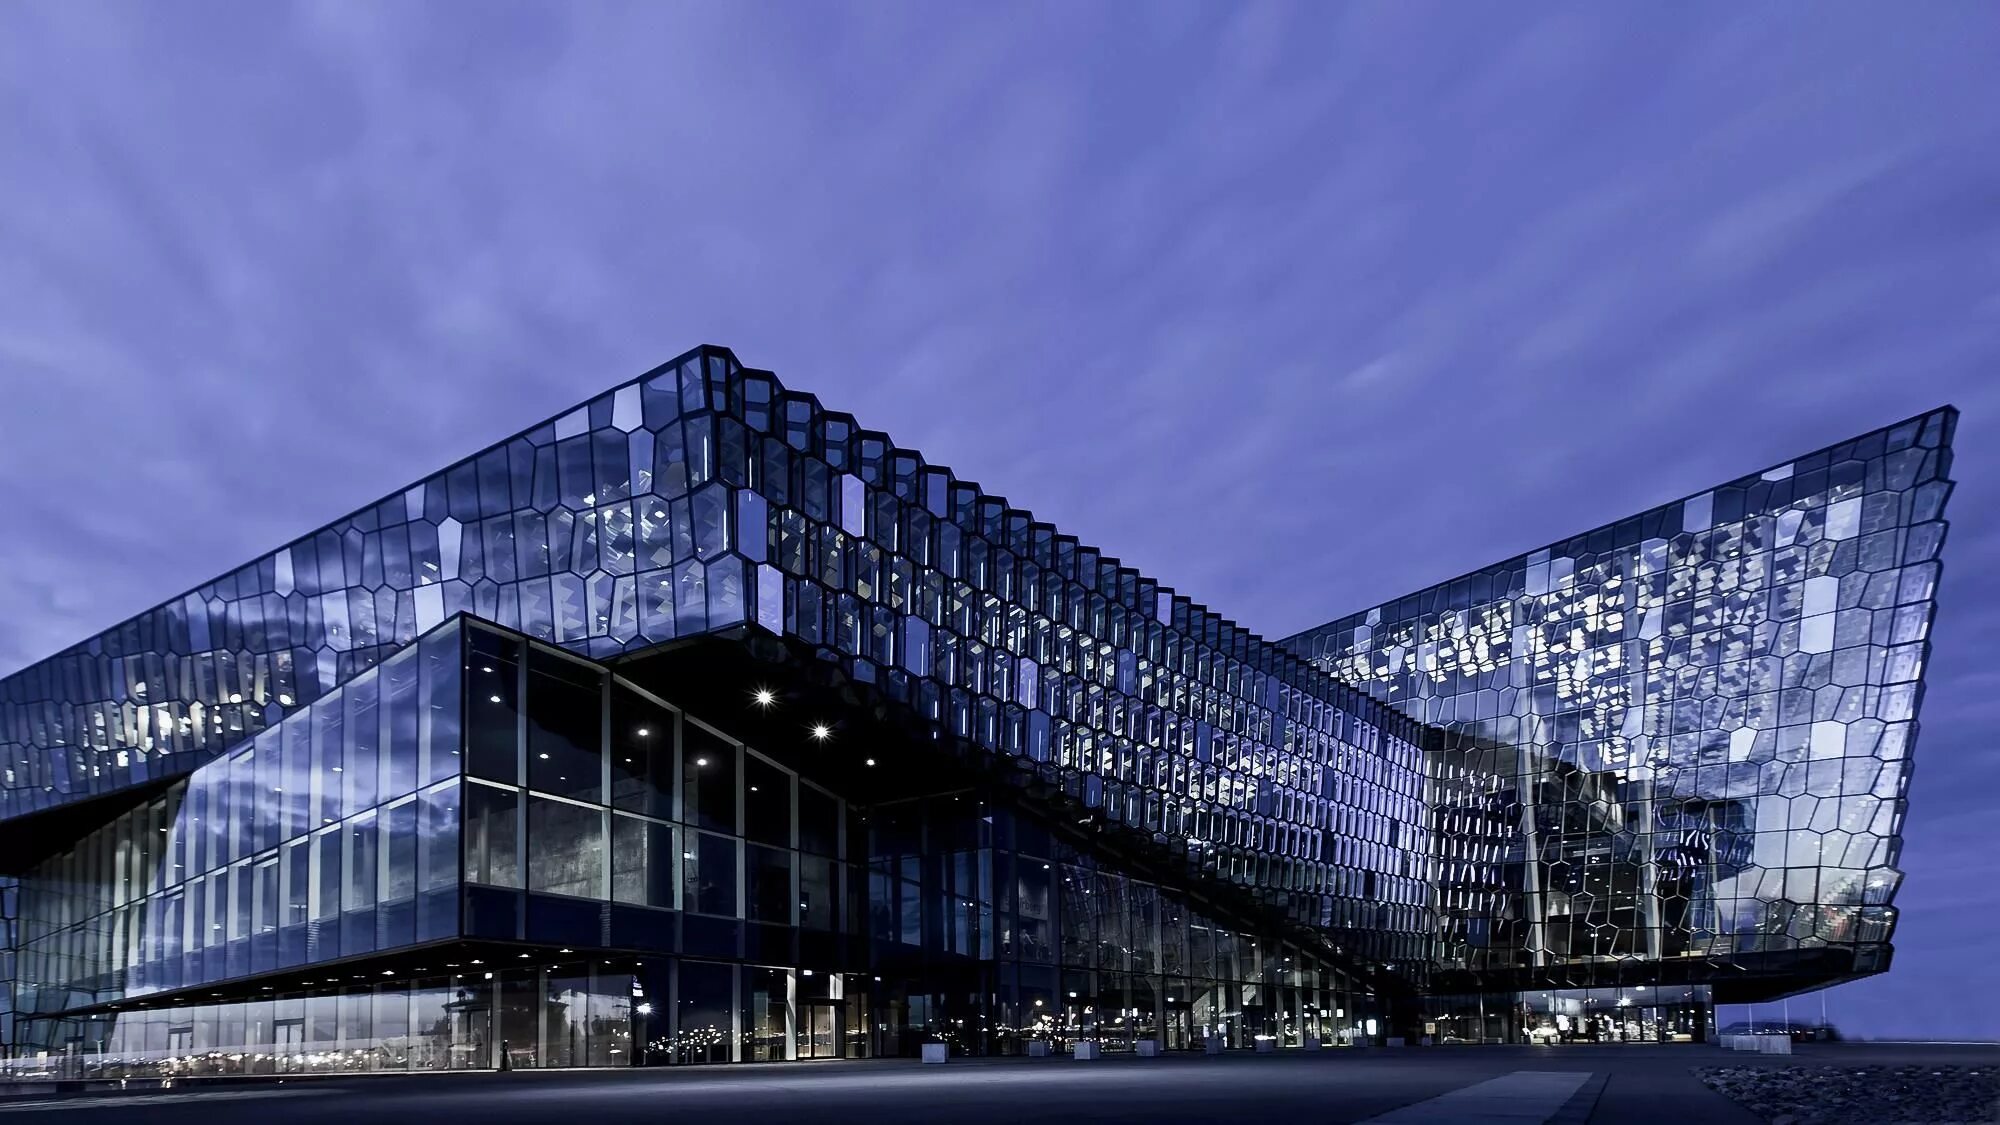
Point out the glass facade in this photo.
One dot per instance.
(330, 835)
(1678, 747)
(444, 746)
(1055, 946)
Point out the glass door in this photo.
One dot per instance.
(291, 1044)
(471, 1037)
(1180, 1028)
(822, 1032)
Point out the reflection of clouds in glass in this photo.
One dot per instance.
(1757, 644)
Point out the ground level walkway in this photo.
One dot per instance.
(1630, 1085)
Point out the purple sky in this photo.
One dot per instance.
(1296, 308)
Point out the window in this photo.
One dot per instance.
(768, 884)
(565, 848)
(360, 862)
(709, 779)
(642, 861)
(298, 882)
(398, 849)
(326, 887)
(361, 729)
(492, 705)
(708, 875)
(767, 802)
(818, 889)
(443, 754)
(642, 753)
(819, 822)
(492, 836)
(565, 715)
(705, 1012)
(399, 698)
(437, 837)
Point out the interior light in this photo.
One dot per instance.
(821, 731)
(764, 697)
(871, 761)
(701, 761)
(496, 699)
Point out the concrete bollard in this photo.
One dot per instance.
(1396, 1041)
(1149, 1048)
(1774, 1044)
(1266, 1046)
(936, 1052)
(1038, 1048)
(1213, 1044)
(1311, 1043)
(1086, 1050)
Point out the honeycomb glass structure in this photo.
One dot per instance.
(1249, 794)
(671, 728)
(1677, 747)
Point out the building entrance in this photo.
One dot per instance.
(821, 1036)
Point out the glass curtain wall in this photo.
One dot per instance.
(584, 790)
(1070, 950)
(329, 834)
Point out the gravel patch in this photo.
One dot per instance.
(1862, 1095)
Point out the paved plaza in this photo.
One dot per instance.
(1459, 1086)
